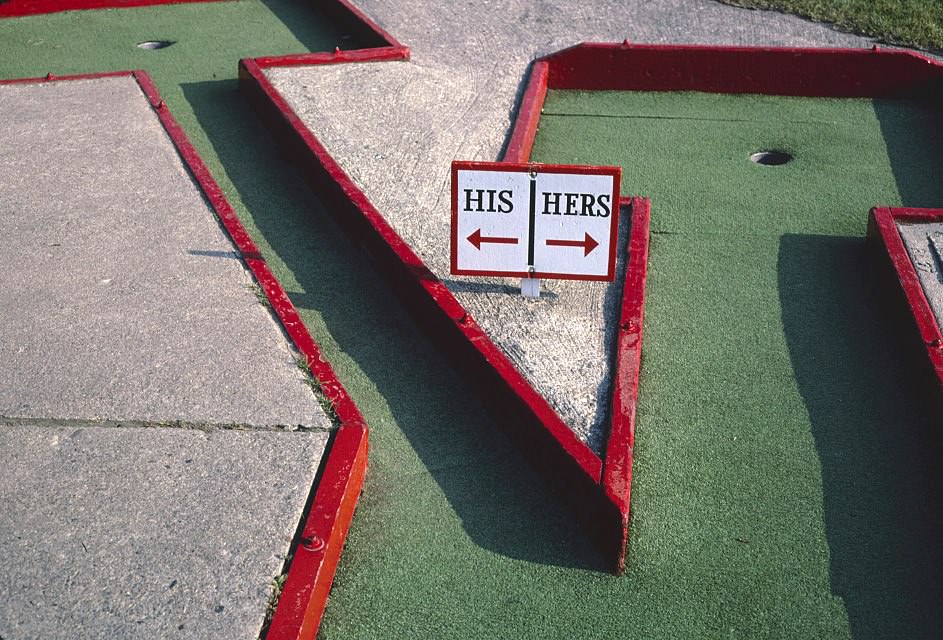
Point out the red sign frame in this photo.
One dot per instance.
(513, 167)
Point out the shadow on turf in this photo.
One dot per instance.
(297, 16)
(303, 20)
(501, 502)
(914, 138)
(878, 443)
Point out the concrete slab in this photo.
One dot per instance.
(924, 243)
(145, 533)
(454, 100)
(122, 298)
(124, 305)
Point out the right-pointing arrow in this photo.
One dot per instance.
(477, 239)
(588, 243)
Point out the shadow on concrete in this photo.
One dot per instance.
(501, 502)
(212, 254)
(879, 445)
(486, 288)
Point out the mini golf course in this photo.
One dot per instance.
(787, 467)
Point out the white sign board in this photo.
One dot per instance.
(537, 221)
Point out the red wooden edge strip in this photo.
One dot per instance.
(305, 593)
(336, 57)
(309, 575)
(528, 116)
(578, 450)
(54, 78)
(885, 219)
(20, 8)
(871, 72)
(617, 468)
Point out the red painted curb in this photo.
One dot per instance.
(335, 57)
(20, 8)
(310, 574)
(617, 468)
(528, 115)
(840, 73)
(616, 480)
(305, 593)
(312, 571)
(54, 78)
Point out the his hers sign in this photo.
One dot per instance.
(534, 221)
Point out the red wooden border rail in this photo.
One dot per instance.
(19, 8)
(839, 73)
(311, 572)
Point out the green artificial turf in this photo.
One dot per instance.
(916, 23)
(782, 484)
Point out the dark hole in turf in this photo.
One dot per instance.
(770, 158)
(152, 45)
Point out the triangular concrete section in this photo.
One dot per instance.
(378, 139)
(159, 437)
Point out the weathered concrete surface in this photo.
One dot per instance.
(145, 533)
(396, 127)
(123, 302)
(121, 296)
(924, 242)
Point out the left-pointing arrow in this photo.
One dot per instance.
(588, 243)
(477, 239)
